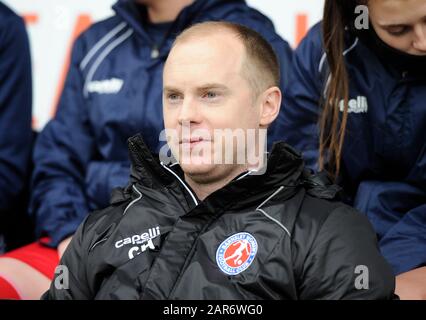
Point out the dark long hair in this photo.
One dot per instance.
(338, 16)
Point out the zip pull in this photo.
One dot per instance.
(155, 53)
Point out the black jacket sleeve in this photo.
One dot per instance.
(344, 261)
(70, 280)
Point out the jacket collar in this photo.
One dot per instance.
(128, 11)
(284, 169)
(396, 62)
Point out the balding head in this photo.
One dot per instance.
(259, 64)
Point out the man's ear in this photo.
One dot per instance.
(270, 106)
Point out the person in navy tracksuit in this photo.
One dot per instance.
(15, 121)
(113, 91)
(357, 109)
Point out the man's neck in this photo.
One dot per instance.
(204, 189)
(165, 10)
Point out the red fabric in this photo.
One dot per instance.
(7, 291)
(40, 257)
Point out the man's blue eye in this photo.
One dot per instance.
(211, 95)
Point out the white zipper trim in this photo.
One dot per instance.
(134, 201)
(100, 43)
(102, 56)
(270, 197)
(268, 216)
(248, 173)
(324, 56)
(351, 47)
(321, 64)
(130, 204)
(326, 86)
(276, 221)
(180, 180)
(96, 243)
(329, 76)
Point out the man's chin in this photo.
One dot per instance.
(197, 169)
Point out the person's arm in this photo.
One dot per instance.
(404, 246)
(63, 245)
(70, 176)
(15, 109)
(411, 285)
(102, 177)
(61, 155)
(344, 261)
(398, 212)
(70, 282)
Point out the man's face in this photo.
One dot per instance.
(204, 90)
(400, 23)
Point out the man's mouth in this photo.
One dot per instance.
(193, 141)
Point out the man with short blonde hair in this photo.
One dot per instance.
(201, 230)
(113, 91)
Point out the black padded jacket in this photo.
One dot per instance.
(269, 236)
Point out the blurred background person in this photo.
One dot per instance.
(113, 90)
(16, 135)
(356, 108)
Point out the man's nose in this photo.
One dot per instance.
(420, 37)
(189, 112)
